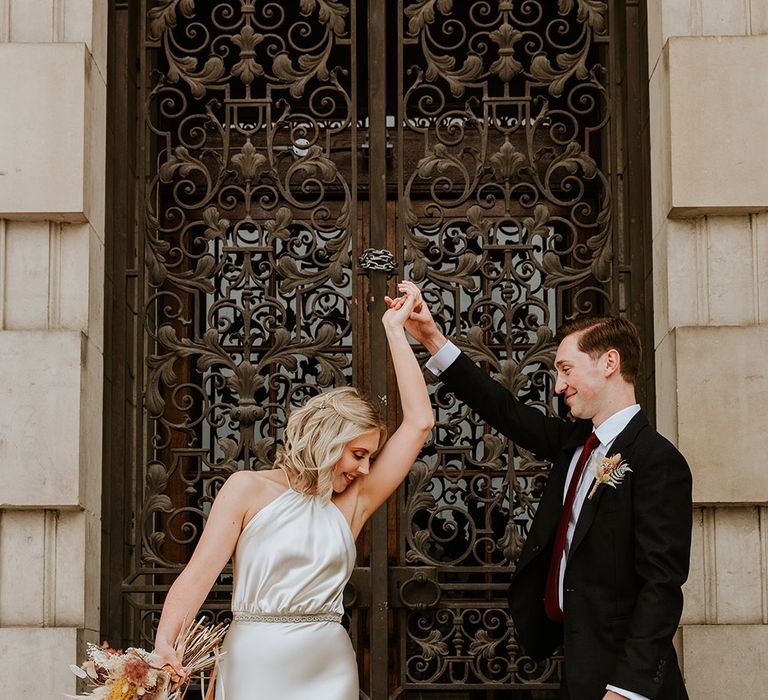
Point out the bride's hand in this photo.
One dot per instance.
(400, 309)
(169, 660)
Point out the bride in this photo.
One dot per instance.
(292, 533)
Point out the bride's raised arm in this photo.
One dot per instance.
(400, 451)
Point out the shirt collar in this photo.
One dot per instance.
(609, 429)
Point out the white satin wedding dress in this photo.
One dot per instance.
(291, 564)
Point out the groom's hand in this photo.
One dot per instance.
(420, 324)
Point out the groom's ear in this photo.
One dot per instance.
(612, 362)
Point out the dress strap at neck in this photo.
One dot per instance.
(287, 478)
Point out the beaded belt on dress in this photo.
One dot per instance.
(310, 617)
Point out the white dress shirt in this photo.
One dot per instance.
(606, 433)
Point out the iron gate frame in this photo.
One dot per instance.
(126, 347)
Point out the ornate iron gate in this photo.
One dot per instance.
(486, 145)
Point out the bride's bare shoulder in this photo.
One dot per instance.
(255, 489)
(265, 483)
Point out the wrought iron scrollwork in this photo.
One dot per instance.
(505, 135)
(420, 591)
(471, 646)
(503, 160)
(247, 242)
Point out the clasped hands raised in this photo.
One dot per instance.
(403, 307)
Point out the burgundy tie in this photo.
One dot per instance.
(551, 594)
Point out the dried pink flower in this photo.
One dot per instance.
(135, 670)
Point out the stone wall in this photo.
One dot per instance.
(709, 153)
(709, 144)
(53, 124)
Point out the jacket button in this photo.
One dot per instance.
(535, 549)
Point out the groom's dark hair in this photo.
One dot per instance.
(598, 334)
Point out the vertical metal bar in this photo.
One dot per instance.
(635, 139)
(377, 116)
(357, 312)
(399, 250)
(120, 332)
(354, 184)
(141, 436)
(614, 162)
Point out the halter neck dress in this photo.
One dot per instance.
(291, 563)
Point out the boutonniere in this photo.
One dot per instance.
(611, 471)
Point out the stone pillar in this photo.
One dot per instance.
(52, 152)
(709, 155)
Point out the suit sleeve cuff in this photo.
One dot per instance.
(443, 359)
(626, 693)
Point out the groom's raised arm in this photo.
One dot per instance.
(525, 425)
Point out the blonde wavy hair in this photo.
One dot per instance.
(317, 433)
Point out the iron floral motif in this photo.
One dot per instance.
(247, 234)
(519, 145)
(507, 209)
(470, 646)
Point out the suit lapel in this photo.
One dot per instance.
(551, 503)
(588, 510)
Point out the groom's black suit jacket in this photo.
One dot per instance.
(628, 558)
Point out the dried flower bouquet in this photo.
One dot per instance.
(136, 674)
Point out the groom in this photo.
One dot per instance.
(602, 568)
